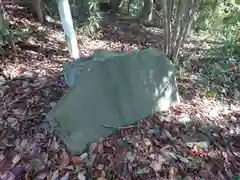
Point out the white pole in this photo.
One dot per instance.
(67, 23)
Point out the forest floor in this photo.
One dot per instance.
(199, 138)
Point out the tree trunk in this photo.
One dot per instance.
(128, 6)
(2, 20)
(122, 5)
(166, 40)
(175, 33)
(33, 4)
(157, 13)
(182, 26)
(190, 10)
(36, 4)
(115, 5)
(169, 18)
(147, 10)
(195, 7)
(176, 25)
(125, 4)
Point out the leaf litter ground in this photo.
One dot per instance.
(196, 139)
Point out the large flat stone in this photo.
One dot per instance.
(114, 90)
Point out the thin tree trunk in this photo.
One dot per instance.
(183, 24)
(36, 4)
(150, 10)
(147, 10)
(128, 6)
(2, 24)
(194, 10)
(169, 17)
(122, 5)
(180, 5)
(116, 5)
(166, 40)
(190, 10)
(33, 4)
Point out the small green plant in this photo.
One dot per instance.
(93, 22)
(220, 20)
(8, 34)
(179, 69)
(135, 7)
(218, 76)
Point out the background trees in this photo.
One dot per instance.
(220, 18)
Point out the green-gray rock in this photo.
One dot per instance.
(113, 89)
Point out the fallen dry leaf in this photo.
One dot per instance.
(55, 175)
(65, 160)
(84, 156)
(92, 148)
(81, 176)
(156, 166)
(16, 159)
(76, 160)
(65, 177)
(100, 167)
